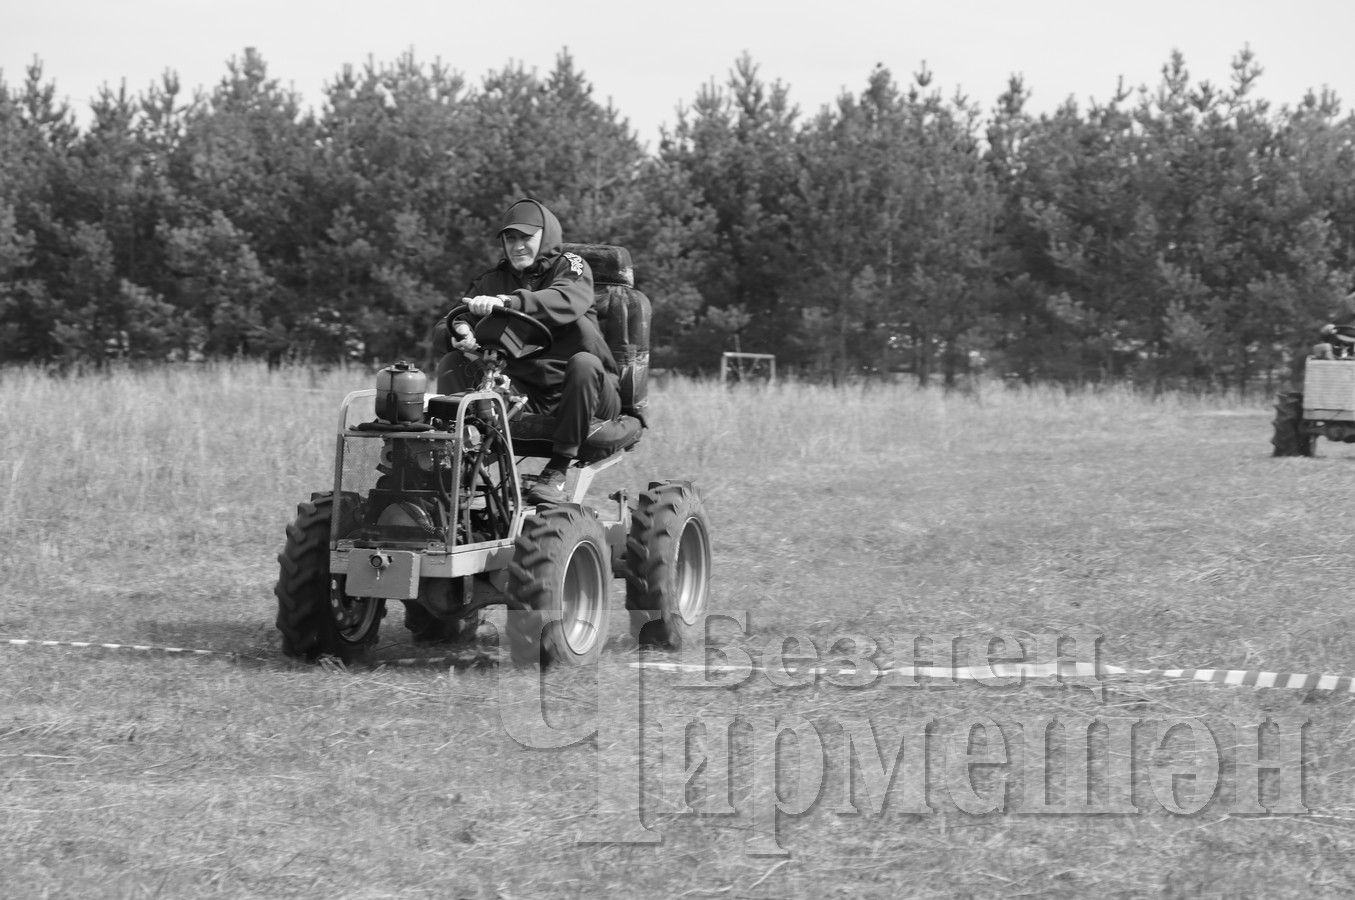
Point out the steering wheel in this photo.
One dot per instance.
(514, 334)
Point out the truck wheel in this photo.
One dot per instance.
(668, 565)
(1289, 439)
(313, 624)
(560, 573)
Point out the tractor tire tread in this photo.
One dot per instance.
(302, 590)
(652, 549)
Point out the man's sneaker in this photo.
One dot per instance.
(548, 487)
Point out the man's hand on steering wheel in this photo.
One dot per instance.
(508, 331)
(484, 304)
(464, 339)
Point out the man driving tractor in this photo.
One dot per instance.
(576, 380)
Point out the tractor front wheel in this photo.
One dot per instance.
(561, 578)
(1289, 438)
(315, 617)
(668, 565)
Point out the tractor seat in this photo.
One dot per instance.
(532, 436)
(623, 314)
(532, 432)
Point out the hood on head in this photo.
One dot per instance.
(530, 216)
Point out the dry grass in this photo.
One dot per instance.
(148, 508)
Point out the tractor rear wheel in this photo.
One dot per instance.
(1289, 438)
(561, 575)
(315, 617)
(668, 565)
(426, 628)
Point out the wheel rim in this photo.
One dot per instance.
(585, 589)
(692, 571)
(354, 616)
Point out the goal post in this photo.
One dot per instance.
(743, 366)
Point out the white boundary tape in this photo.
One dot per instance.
(235, 656)
(1291, 681)
(145, 648)
(1231, 677)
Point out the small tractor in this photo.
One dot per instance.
(1326, 405)
(428, 509)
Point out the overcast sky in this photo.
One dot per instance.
(649, 58)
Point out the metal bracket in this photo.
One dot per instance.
(588, 473)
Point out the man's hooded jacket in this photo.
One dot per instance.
(557, 290)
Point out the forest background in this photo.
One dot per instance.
(1186, 234)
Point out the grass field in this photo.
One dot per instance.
(148, 508)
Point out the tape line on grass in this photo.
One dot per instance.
(235, 656)
(1291, 681)
(1231, 677)
(228, 655)
(144, 648)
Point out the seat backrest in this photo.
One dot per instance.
(624, 314)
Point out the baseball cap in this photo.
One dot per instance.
(524, 216)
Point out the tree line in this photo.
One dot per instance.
(1186, 232)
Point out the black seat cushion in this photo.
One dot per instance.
(532, 433)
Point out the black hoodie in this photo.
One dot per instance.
(556, 289)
